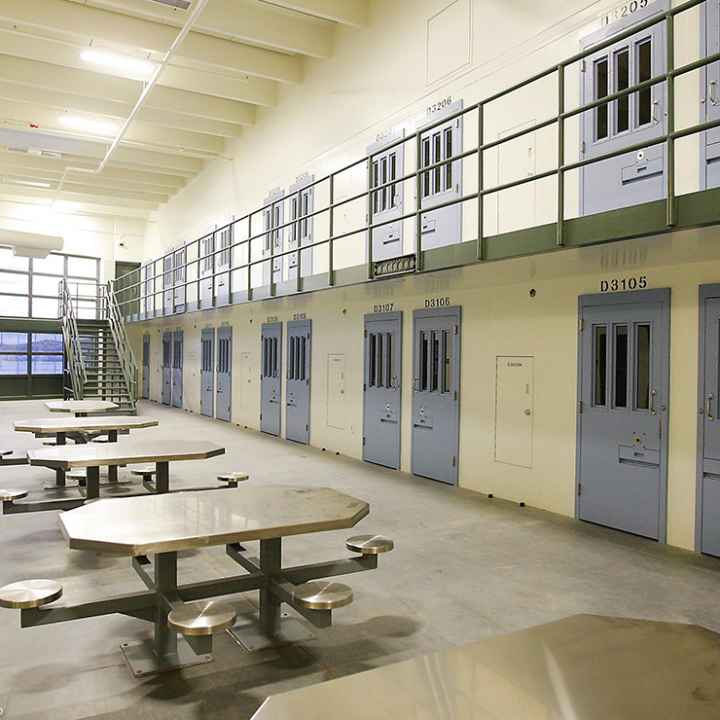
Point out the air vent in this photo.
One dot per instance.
(177, 4)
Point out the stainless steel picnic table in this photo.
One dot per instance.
(80, 408)
(154, 529)
(93, 457)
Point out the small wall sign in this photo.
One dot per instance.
(384, 307)
(634, 282)
(437, 302)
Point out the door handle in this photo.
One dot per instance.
(655, 105)
(712, 94)
(653, 393)
(708, 407)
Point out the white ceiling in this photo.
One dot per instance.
(231, 63)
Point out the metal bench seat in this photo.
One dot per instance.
(369, 544)
(233, 478)
(30, 594)
(202, 618)
(323, 595)
(12, 495)
(5, 453)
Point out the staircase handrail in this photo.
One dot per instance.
(126, 356)
(71, 340)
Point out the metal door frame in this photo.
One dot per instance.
(705, 292)
(223, 330)
(307, 324)
(389, 316)
(660, 296)
(203, 335)
(277, 324)
(704, 97)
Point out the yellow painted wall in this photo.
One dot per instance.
(499, 318)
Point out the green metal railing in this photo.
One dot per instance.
(128, 365)
(142, 286)
(75, 366)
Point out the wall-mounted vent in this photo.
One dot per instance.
(177, 4)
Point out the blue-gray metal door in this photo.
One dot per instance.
(301, 200)
(382, 385)
(223, 391)
(708, 492)
(387, 165)
(167, 352)
(271, 378)
(273, 218)
(207, 372)
(177, 369)
(711, 97)
(222, 266)
(622, 411)
(638, 176)
(168, 285)
(179, 289)
(443, 183)
(297, 390)
(146, 367)
(436, 393)
(207, 267)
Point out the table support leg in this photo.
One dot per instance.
(112, 469)
(162, 477)
(270, 564)
(93, 483)
(165, 582)
(60, 474)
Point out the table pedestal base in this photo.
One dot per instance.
(141, 659)
(248, 635)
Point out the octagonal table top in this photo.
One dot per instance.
(80, 405)
(202, 518)
(87, 424)
(128, 452)
(584, 667)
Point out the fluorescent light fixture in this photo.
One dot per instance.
(89, 125)
(31, 183)
(121, 63)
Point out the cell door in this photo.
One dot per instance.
(708, 491)
(168, 289)
(207, 372)
(180, 289)
(386, 165)
(146, 367)
(222, 265)
(207, 267)
(710, 162)
(177, 365)
(436, 394)
(622, 421)
(273, 218)
(271, 378)
(443, 183)
(223, 390)
(297, 389)
(638, 176)
(148, 290)
(167, 352)
(300, 233)
(382, 385)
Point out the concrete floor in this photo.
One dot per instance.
(464, 567)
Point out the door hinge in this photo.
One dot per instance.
(582, 66)
(364, 440)
(364, 387)
(307, 428)
(455, 396)
(454, 461)
(366, 333)
(457, 329)
(581, 325)
(261, 416)
(582, 147)
(580, 407)
(579, 489)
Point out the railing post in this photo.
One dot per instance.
(249, 258)
(560, 225)
(480, 249)
(670, 129)
(331, 232)
(370, 216)
(418, 201)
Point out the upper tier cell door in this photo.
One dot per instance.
(710, 96)
(167, 353)
(638, 176)
(273, 219)
(622, 411)
(271, 378)
(297, 390)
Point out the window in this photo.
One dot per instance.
(644, 72)
(622, 82)
(82, 267)
(621, 366)
(27, 353)
(13, 342)
(601, 90)
(599, 366)
(15, 283)
(16, 306)
(642, 366)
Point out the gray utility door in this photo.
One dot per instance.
(168, 282)
(222, 265)
(622, 420)
(300, 233)
(180, 289)
(177, 371)
(443, 183)
(297, 390)
(635, 177)
(382, 384)
(710, 148)
(223, 391)
(167, 348)
(386, 165)
(273, 218)
(207, 371)
(271, 378)
(207, 267)
(146, 367)
(708, 490)
(436, 393)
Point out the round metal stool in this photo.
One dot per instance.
(146, 472)
(12, 495)
(202, 618)
(30, 593)
(369, 544)
(323, 595)
(233, 478)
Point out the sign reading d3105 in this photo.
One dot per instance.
(635, 282)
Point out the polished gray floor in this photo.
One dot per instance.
(464, 568)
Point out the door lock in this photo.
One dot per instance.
(708, 407)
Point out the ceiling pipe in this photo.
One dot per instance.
(149, 85)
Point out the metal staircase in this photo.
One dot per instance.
(100, 364)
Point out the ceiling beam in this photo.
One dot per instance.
(89, 23)
(108, 199)
(345, 12)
